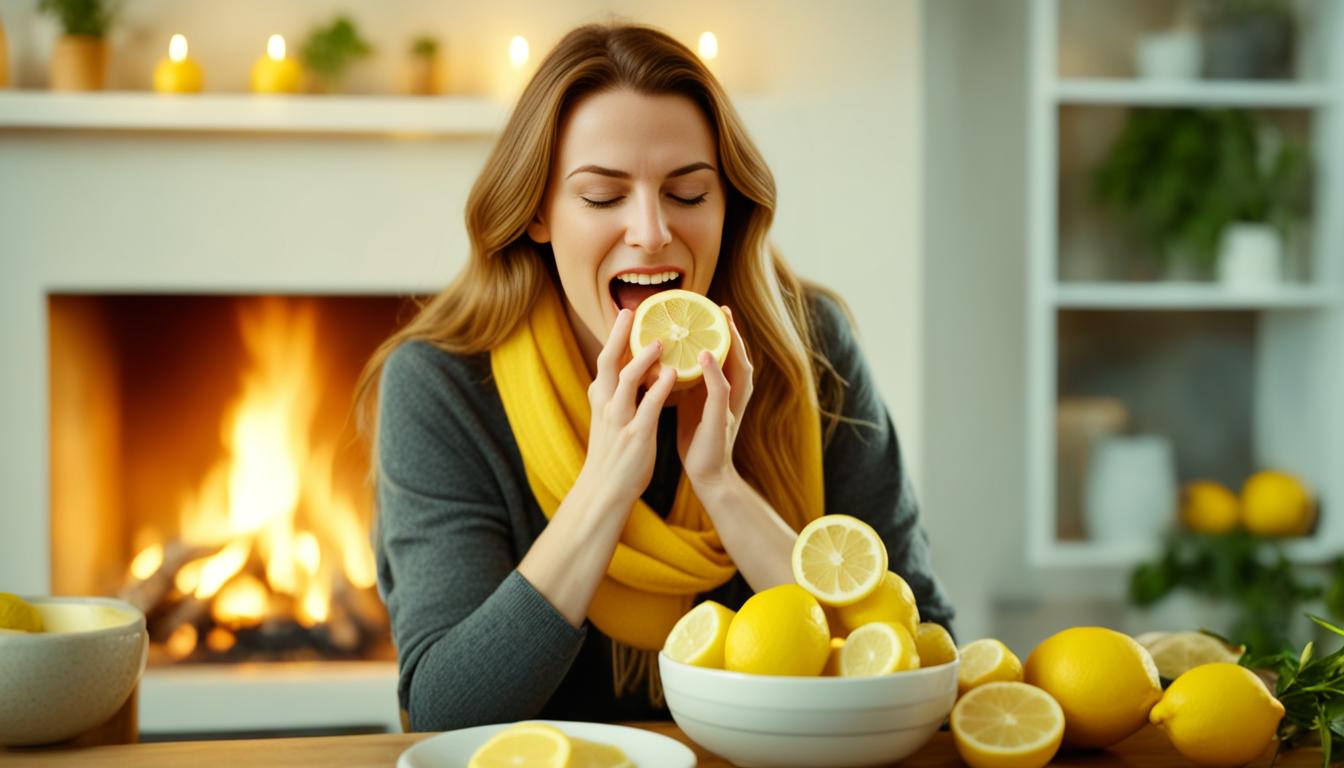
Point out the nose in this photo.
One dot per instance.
(647, 228)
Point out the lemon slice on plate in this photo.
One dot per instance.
(839, 559)
(688, 324)
(525, 745)
(879, 648)
(1007, 725)
(987, 661)
(590, 754)
(698, 637)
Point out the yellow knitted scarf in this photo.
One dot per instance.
(660, 565)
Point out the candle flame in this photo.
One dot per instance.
(709, 46)
(177, 48)
(275, 47)
(518, 52)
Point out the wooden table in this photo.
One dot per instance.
(1146, 748)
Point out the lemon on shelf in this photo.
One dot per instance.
(839, 559)
(1209, 507)
(687, 323)
(1277, 504)
(1007, 725)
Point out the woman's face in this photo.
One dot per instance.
(634, 198)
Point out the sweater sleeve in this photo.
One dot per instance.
(476, 643)
(865, 473)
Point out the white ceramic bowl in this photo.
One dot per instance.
(76, 674)
(818, 722)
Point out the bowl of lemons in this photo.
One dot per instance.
(74, 661)
(835, 669)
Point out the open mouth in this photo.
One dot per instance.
(626, 295)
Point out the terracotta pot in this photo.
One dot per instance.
(4, 58)
(422, 76)
(79, 63)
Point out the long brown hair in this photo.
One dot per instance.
(504, 274)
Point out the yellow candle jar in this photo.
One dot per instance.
(178, 73)
(273, 73)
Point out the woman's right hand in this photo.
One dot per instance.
(622, 434)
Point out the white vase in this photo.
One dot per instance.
(1250, 256)
(1171, 55)
(1130, 498)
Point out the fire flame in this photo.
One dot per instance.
(271, 498)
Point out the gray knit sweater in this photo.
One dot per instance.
(476, 642)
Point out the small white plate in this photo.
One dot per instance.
(646, 749)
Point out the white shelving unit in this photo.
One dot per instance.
(1297, 374)
(456, 116)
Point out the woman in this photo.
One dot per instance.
(548, 505)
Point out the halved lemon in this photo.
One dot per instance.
(839, 559)
(879, 648)
(525, 745)
(698, 637)
(1007, 725)
(934, 644)
(589, 754)
(1181, 652)
(688, 324)
(987, 661)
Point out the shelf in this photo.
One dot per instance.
(1193, 93)
(1193, 296)
(129, 110)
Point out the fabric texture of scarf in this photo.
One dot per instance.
(659, 565)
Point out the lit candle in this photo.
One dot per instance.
(273, 73)
(709, 46)
(518, 53)
(178, 73)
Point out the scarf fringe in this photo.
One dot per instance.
(633, 669)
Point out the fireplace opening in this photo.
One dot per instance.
(206, 466)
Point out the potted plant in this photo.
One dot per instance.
(4, 58)
(1248, 39)
(79, 60)
(423, 73)
(1198, 185)
(331, 50)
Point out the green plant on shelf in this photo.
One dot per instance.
(425, 47)
(1179, 177)
(330, 51)
(86, 18)
(1252, 573)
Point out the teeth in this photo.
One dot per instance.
(634, 279)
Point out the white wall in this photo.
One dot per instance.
(831, 92)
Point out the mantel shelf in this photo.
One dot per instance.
(1200, 93)
(459, 116)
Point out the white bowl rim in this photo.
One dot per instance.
(137, 618)
(808, 680)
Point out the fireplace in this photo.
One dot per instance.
(206, 466)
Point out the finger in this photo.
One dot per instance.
(630, 376)
(652, 404)
(716, 392)
(613, 351)
(738, 368)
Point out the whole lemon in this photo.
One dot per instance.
(1218, 715)
(1276, 504)
(893, 600)
(781, 631)
(1209, 507)
(17, 615)
(1105, 681)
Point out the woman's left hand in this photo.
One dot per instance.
(708, 416)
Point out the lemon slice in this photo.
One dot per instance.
(880, 648)
(1007, 725)
(525, 745)
(987, 661)
(18, 615)
(934, 644)
(688, 324)
(1181, 652)
(698, 637)
(590, 754)
(839, 559)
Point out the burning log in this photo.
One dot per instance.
(150, 593)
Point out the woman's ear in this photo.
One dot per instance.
(538, 231)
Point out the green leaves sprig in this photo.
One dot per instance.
(1312, 692)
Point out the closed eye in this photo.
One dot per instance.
(609, 203)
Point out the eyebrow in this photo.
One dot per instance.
(682, 171)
